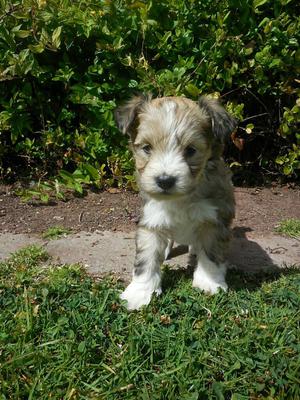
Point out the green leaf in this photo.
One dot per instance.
(237, 396)
(235, 164)
(287, 170)
(263, 22)
(249, 128)
(132, 83)
(22, 33)
(37, 48)
(192, 90)
(44, 197)
(280, 160)
(66, 175)
(276, 62)
(259, 3)
(60, 196)
(285, 128)
(151, 22)
(93, 172)
(218, 390)
(14, 135)
(81, 347)
(7, 38)
(56, 37)
(78, 187)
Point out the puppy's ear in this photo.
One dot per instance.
(126, 115)
(222, 123)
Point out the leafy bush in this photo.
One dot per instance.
(65, 64)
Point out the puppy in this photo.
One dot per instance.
(187, 191)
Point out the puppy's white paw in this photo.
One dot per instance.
(209, 284)
(138, 294)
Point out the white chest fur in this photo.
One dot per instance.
(178, 218)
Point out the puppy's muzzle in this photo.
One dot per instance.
(165, 182)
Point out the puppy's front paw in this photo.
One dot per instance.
(209, 284)
(138, 294)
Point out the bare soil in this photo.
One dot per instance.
(258, 210)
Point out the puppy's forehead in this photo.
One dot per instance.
(172, 116)
(173, 109)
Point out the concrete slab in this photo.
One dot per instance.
(10, 243)
(99, 252)
(103, 252)
(253, 253)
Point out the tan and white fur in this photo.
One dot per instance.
(188, 196)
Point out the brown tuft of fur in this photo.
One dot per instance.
(126, 115)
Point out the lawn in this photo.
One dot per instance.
(65, 336)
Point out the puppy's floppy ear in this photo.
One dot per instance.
(222, 123)
(126, 115)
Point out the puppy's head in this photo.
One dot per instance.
(172, 139)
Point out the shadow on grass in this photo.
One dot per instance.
(251, 265)
(237, 279)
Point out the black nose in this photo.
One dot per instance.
(165, 181)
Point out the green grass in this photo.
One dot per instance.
(55, 232)
(290, 227)
(64, 336)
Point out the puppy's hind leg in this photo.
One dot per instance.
(150, 251)
(192, 260)
(169, 248)
(211, 249)
(209, 276)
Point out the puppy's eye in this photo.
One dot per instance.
(146, 149)
(189, 151)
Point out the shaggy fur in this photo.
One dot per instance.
(187, 191)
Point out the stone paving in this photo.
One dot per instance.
(104, 252)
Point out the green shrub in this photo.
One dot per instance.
(65, 64)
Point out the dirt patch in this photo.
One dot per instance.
(96, 211)
(258, 210)
(261, 209)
